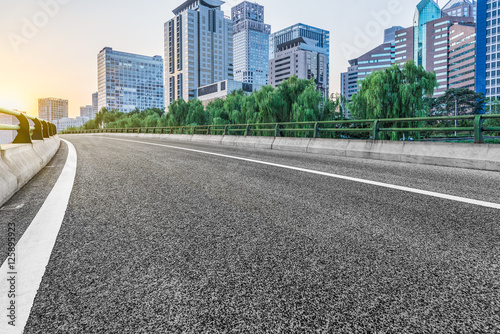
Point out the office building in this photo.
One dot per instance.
(451, 52)
(95, 103)
(426, 11)
(461, 8)
(303, 51)
(51, 109)
(488, 48)
(292, 59)
(198, 48)
(87, 111)
(251, 43)
(128, 81)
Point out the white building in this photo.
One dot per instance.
(198, 48)
(128, 81)
(64, 123)
(220, 90)
(7, 137)
(51, 109)
(87, 111)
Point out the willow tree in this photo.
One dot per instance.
(396, 92)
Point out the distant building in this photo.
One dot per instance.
(65, 123)
(7, 137)
(461, 8)
(309, 46)
(95, 103)
(128, 81)
(220, 90)
(87, 112)
(51, 109)
(293, 59)
(198, 48)
(251, 43)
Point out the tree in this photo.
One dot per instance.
(459, 101)
(396, 92)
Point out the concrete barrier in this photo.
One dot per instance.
(472, 156)
(291, 144)
(19, 163)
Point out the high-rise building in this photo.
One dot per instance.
(308, 47)
(293, 59)
(95, 103)
(87, 111)
(51, 109)
(128, 81)
(251, 43)
(451, 52)
(488, 49)
(461, 8)
(198, 48)
(426, 11)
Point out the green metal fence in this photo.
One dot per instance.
(371, 129)
(26, 133)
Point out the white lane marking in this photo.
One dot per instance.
(34, 248)
(342, 177)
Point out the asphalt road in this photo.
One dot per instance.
(159, 240)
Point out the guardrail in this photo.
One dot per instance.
(25, 132)
(372, 127)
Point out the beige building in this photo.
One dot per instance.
(51, 109)
(294, 58)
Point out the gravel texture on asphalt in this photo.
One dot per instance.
(157, 240)
(24, 205)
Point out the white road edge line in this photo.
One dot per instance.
(342, 177)
(35, 247)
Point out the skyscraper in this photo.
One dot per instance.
(128, 81)
(87, 112)
(198, 48)
(310, 47)
(51, 109)
(488, 51)
(251, 43)
(426, 11)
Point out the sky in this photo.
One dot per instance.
(48, 48)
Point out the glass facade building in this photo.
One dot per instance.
(427, 10)
(251, 43)
(198, 48)
(128, 81)
(488, 48)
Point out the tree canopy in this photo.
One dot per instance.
(396, 92)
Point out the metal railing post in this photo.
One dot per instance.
(209, 130)
(316, 130)
(248, 130)
(277, 132)
(478, 129)
(45, 129)
(226, 130)
(38, 134)
(23, 134)
(376, 130)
